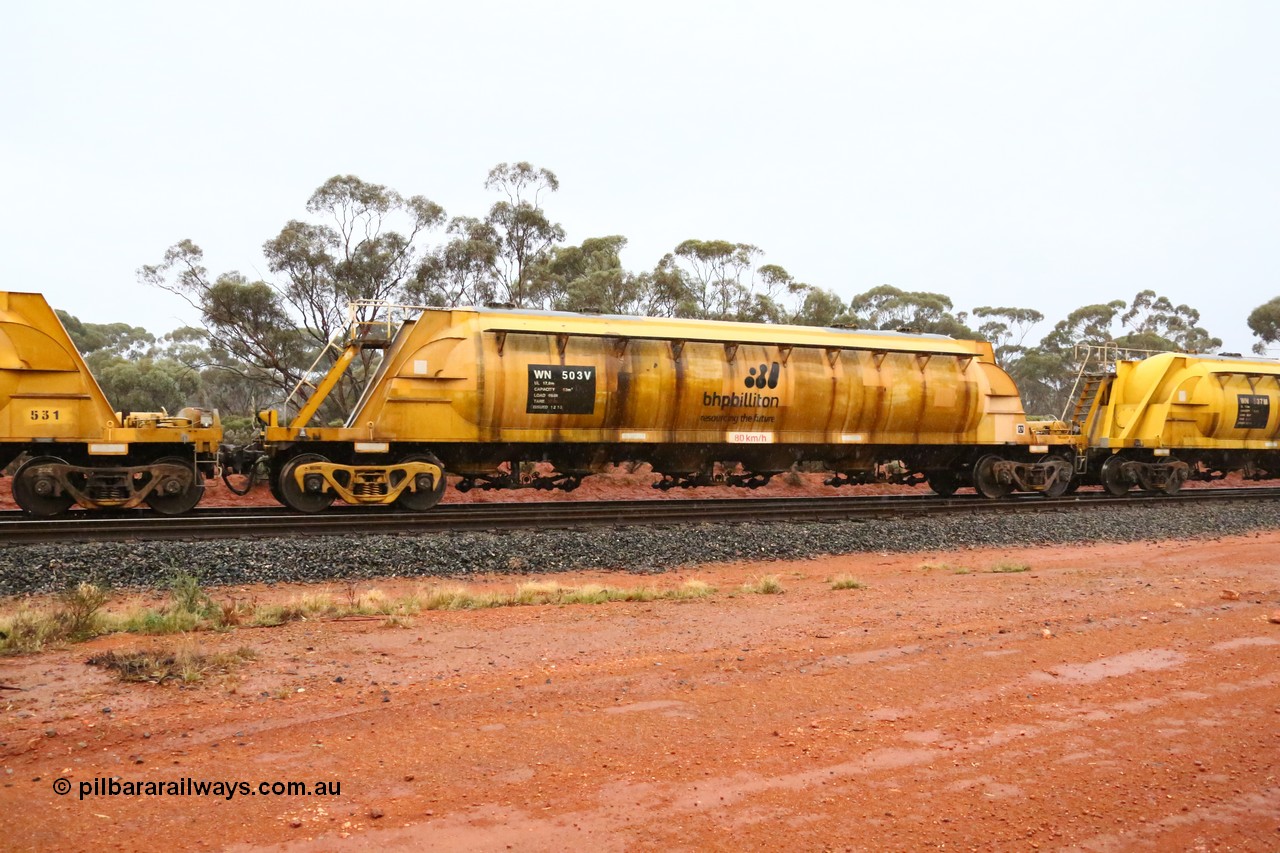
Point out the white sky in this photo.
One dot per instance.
(1046, 155)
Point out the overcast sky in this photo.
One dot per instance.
(1045, 155)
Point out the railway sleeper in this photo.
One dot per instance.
(1255, 472)
(544, 482)
(849, 478)
(697, 479)
(894, 473)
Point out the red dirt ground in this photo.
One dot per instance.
(1111, 698)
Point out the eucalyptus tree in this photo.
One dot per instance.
(1047, 374)
(366, 245)
(820, 307)
(1264, 322)
(709, 278)
(248, 322)
(354, 252)
(590, 277)
(1153, 322)
(133, 369)
(1007, 330)
(888, 307)
(461, 272)
(497, 258)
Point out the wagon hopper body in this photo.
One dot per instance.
(483, 393)
(75, 449)
(1159, 421)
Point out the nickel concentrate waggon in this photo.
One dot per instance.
(1153, 423)
(509, 399)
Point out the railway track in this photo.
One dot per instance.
(222, 523)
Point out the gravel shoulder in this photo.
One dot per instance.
(27, 569)
(1115, 696)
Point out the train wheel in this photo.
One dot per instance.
(984, 479)
(302, 499)
(273, 483)
(1113, 478)
(36, 493)
(944, 483)
(1061, 487)
(428, 494)
(178, 502)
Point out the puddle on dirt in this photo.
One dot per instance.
(991, 788)
(655, 705)
(1243, 642)
(930, 736)
(1144, 660)
(888, 715)
(890, 758)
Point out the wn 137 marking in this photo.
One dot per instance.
(1252, 411)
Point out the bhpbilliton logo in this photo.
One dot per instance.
(763, 376)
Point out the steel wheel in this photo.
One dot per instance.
(299, 498)
(177, 503)
(425, 498)
(943, 483)
(984, 479)
(1113, 478)
(35, 493)
(273, 482)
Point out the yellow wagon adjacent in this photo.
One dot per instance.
(1154, 423)
(76, 449)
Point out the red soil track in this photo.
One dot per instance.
(1111, 698)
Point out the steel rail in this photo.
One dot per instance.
(259, 522)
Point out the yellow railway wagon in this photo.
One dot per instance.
(1170, 417)
(485, 394)
(76, 450)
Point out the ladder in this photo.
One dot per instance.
(1088, 390)
(1103, 357)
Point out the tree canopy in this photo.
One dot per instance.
(365, 243)
(1264, 322)
(887, 307)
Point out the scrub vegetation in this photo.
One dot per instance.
(81, 612)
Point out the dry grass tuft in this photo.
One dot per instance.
(764, 585)
(944, 567)
(160, 666)
(846, 582)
